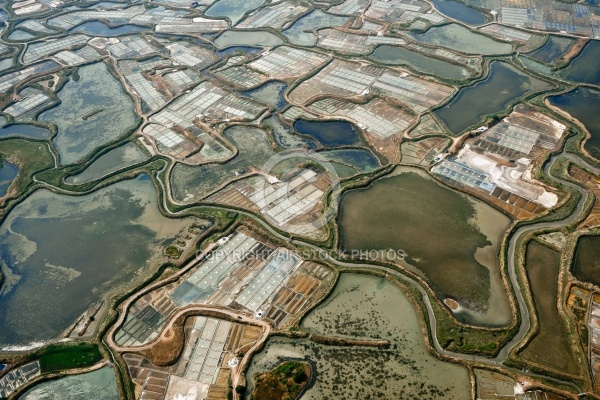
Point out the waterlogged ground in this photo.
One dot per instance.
(360, 159)
(98, 385)
(285, 137)
(446, 235)
(363, 306)
(56, 248)
(93, 111)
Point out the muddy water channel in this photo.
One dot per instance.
(98, 385)
(363, 306)
(450, 239)
(61, 254)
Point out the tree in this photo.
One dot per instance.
(300, 376)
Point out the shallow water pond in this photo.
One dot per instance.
(60, 254)
(8, 172)
(20, 36)
(247, 39)
(270, 93)
(25, 131)
(542, 267)
(329, 133)
(503, 85)
(582, 104)
(459, 38)
(97, 28)
(301, 32)
(6, 64)
(586, 266)
(98, 385)
(457, 10)
(116, 159)
(233, 9)
(93, 112)
(554, 48)
(537, 66)
(446, 235)
(584, 68)
(363, 306)
(420, 62)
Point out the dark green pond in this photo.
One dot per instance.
(329, 133)
(586, 266)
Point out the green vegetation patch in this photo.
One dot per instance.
(284, 382)
(60, 357)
